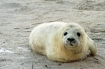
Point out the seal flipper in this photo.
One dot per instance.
(92, 46)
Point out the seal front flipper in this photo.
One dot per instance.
(92, 46)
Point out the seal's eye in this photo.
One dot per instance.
(65, 33)
(78, 34)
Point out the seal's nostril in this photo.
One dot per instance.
(70, 39)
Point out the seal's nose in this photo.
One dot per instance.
(71, 39)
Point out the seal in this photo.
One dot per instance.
(62, 42)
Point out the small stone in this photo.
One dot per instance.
(46, 66)
(59, 64)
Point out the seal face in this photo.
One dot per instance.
(63, 42)
(72, 37)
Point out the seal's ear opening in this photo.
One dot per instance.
(92, 46)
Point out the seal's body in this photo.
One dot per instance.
(63, 42)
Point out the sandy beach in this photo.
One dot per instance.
(19, 17)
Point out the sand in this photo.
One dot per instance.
(18, 17)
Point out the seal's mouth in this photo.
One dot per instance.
(71, 44)
(71, 41)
